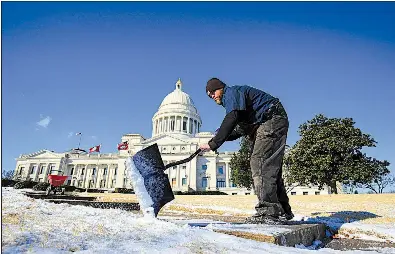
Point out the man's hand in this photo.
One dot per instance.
(205, 147)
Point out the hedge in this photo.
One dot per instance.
(199, 193)
(25, 185)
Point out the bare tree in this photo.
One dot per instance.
(7, 174)
(380, 183)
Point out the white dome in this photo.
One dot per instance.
(177, 113)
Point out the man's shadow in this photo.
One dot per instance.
(335, 220)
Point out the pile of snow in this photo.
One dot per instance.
(36, 226)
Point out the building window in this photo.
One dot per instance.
(221, 183)
(172, 123)
(93, 171)
(247, 193)
(32, 169)
(184, 181)
(42, 169)
(124, 182)
(174, 167)
(305, 193)
(173, 182)
(165, 127)
(91, 184)
(184, 124)
(317, 193)
(21, 170)
(115, 171)
(204, 167)
(113, 183)
(184, 167)
(293, 193)
(72, 171)
(233, 193)
(190, 127)
(51, 168)
(204, 182)
(82, 171)
(221, 170)
(105, 171)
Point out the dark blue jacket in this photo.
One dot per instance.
(245, 106)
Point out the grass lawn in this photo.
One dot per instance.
(371, 208)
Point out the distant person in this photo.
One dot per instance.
(261, 117)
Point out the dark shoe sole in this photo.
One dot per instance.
(268, 220)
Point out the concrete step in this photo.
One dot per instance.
(58, 196)
(284, 235)
(97, 204)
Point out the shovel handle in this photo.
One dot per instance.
(183, 161)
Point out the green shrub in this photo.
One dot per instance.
(124, 190)
(41, 186)
(8, 182)
(95, 191)
(25, 185)
(199, 193)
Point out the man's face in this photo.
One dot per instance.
(217, 96)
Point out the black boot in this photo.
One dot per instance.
(264, 219)
(287, 216)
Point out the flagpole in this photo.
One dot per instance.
(98, 166)
(79, 141)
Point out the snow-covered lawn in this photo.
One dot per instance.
(36, 226)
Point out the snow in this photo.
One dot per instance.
(145, 200)
(36, 226)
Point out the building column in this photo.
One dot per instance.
(227, 175)
(46, 172)
(188, 120)
(37, 172)
(27, 176)
(108, 176)
(74, 178)
(212, 169)
(84, 183)
(181, 123)
(168, 123)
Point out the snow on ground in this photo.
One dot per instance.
(36, 226)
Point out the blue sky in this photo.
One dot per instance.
(103, 68)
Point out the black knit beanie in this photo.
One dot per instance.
(214, 84)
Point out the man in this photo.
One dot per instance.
(261, 117)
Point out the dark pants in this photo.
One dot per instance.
(266, 164)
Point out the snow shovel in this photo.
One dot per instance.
(151, 184)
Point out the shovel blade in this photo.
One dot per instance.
(150, 165)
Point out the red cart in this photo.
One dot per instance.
(54, 182)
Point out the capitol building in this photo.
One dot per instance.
(175, 129)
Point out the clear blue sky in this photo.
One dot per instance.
(103, 68)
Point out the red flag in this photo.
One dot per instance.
(123, 145)
(94, 149)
